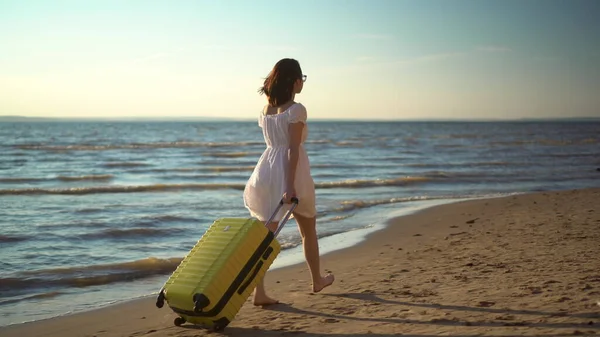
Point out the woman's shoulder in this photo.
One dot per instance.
(296, 107)
(299, 105)
(298, 113)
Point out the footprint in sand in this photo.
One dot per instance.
(486, 304)
(563, 299)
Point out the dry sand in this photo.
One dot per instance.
(524, 265)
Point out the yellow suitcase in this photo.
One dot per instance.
(213, 281)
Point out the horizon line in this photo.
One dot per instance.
(22, 118)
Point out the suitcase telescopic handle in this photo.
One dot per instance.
(286, 217)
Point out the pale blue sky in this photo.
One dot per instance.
(364, 59)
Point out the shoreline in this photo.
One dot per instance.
(351, 239)
(405, 231)
(294, 256)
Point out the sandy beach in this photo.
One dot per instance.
(522, 265)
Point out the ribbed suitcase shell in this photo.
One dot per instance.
(213, 281)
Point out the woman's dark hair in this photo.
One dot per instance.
(279, 85)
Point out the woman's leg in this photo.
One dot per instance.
(260, 294)
(310, 244)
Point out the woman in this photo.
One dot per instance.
(283, 170)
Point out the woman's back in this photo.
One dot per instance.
(275, 124)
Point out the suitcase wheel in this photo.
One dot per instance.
(220, 324)
(179, 320)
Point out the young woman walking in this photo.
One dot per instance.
(283, 170)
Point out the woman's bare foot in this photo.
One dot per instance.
(264, 300)
(325, 282)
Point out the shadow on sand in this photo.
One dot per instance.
(578, 327)
(371, 297)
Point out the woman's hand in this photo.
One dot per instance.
(289, 193)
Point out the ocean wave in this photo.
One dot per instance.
(93, 177)
(572, 155)
(11, 238)
(465, 164)
(336, 218)
(229, 169)
(211, 169)
(232, 154)
(88, 210)
(350, 143)
(22, 180)
(138, 225)
(43, 295)
(18, 154)
(120, 189)
(353, 166)
(15, 162)
(54, 226)
(351, 205)
(124, 164)
(216, 186)
(169, 218)
(340, 217)
(451, 146)
(317, 141)
(546, 142)
(240, 162)
(465, 136)
(288, 244)
(356, 183)
(394, 158)
(132, 146)
(116, 233)
(199, 177)
(86, 276)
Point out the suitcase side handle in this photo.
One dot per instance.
(285, 218)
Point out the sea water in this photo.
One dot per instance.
(92, 213)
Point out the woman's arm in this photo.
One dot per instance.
(295, 131)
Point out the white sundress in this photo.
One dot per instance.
(266, 184)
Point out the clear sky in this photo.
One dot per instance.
(374, 59)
